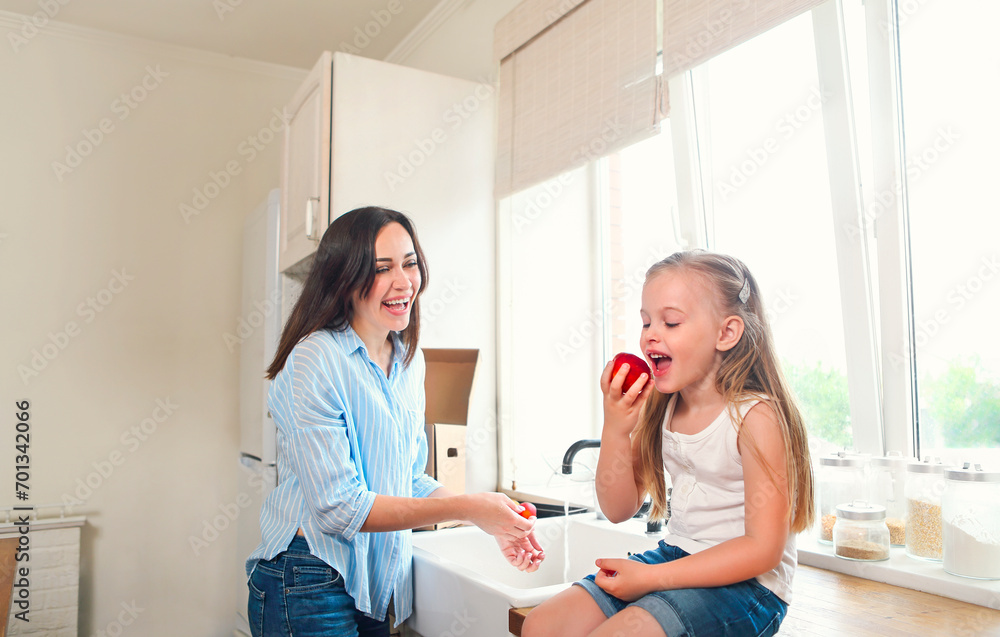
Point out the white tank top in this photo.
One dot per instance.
(706, 504)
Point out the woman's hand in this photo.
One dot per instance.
(498, 515)
(631, 581)
(525, 554)
(621, 410)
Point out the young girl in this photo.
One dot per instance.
(721, 420)
(347, 395)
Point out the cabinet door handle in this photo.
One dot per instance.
(311, 217)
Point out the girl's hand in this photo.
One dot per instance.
(525, 554)
(632, 580)
(621, 411)
(498, 515)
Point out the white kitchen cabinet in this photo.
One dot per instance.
(305, 167)
(364, 132)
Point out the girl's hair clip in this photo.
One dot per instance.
(745, 291)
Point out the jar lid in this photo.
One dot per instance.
(860, 510)
(842, 459)
(892, 459)
(972, 473)
(926, 466)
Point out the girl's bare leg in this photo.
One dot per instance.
(571, 613)
(630, 622)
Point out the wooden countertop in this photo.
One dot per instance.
(833, 604)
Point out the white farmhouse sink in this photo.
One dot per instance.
(464, 586)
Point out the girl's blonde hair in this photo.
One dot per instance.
(749, 370)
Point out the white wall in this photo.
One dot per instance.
(460, 304)
(139, 398)
(462, 44)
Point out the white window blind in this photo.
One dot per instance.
(577, 82)
(694, 32)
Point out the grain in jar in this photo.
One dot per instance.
(841, 478)
(887, 487)
(861, 533)
(924, 488)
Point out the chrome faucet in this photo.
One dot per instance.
(576, 447)
(567, 466)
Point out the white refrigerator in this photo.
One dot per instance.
(266, 300)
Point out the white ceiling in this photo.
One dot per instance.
(288, 32)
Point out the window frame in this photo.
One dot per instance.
(879, 326)
(898, 357)
(870, 227)
(881, 420)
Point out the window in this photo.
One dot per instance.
(767, 192)
(573, 262)
(555, 324)
(951, 134)
(642, 228)
(771, 160)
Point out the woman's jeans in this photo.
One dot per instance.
(299, 595)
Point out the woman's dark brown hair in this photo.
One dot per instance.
(345, 264)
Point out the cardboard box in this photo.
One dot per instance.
(448, 390)
(446, 455)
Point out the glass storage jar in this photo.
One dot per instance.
(887, 487)
(924, 488)
(970, 517)
(841, 479)
(860, 532)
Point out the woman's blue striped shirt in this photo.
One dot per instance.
(346, 432)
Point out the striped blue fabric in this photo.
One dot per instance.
(346, 432)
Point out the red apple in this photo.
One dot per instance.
(636, 367)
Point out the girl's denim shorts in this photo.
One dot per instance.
(744, 609)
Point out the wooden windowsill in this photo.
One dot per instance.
(902, 571)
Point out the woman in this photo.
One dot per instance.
(347, 397)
